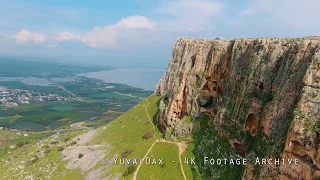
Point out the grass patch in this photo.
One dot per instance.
(171, 168)
(187, 119)
(191, 171)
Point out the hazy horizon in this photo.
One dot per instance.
(140, 33)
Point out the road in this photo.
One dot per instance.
(60, 87)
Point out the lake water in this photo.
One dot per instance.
(141, 78)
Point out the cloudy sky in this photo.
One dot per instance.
(141, 33)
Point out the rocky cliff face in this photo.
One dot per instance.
(261, 95)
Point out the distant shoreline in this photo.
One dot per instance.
(146, 79)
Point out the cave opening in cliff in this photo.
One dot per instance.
(240, 148)
(261, 86)
(215, 86)
(193, 60)
(251, 124)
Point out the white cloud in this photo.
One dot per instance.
(52, 46)
(191, 15)
(24, 36)
(67, 36)
(133, 22)
(108, 36)
(248, 12)
(188, 8)
(299, 14)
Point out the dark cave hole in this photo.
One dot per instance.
(261, 86)
(214, 88)
(193, 60)
(252, 123)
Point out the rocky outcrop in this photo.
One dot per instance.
(261, 94)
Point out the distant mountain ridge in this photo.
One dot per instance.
(16, 67)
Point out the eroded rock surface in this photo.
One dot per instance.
(263, 93)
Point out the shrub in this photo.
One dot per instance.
(66, 139)
(19, 144)
(148, 135)
(47, 151)
(46, 146)
(33, 159)
(80, 155)
(131, 168)
(54, 142)
(73, 143)
(60, 148)
(127, 152)
(163, 165)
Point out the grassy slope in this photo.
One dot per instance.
(48, 166)
(171, 170)
(126, 132)
(5, 138)
(187, 155)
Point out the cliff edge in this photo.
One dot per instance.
(262, 95)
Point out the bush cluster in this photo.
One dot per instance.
(148, 135)
(131, 168)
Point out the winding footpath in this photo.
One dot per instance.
(182, 146)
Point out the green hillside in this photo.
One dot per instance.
(126, 134)
(90, 153)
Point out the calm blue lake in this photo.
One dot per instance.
(141, 78)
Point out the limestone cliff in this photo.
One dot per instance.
(262, 96)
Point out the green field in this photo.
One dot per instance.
(40, 116)
(110, 95)
(64, 106)
(97, 99)
(8, 119)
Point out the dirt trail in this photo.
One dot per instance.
(182, 146)
(137, 170)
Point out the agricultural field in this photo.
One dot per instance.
(49, 115)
